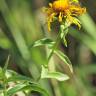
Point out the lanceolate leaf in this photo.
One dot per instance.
(6, 64)
(55, 75)
(19, 78)
(44, 41)
(64, 31)
(64, 58)
(12, 76)
(15, 89)
(1, 73)
(23, 87)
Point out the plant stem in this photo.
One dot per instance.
(4, 83)
(51, 65)
(57, 42)
(5, 89)
(54, 47)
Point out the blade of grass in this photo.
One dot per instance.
(15, 31)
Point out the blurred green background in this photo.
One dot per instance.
(22, 22)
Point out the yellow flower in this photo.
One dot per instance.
(66, 10)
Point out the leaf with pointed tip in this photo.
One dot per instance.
(64, 31)
(23, 87)
(41, 42)
(55, 75)
(64, 58)
(13, 76)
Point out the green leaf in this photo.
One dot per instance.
(64, 31)
(41, 42)
(14, 29)
(23, 87)
(19, 78)
(1, 73)
(89, 25)
(15, 89)
(55, 75)
(4, 41)
(6, 64)
(65, 41)
(64, 58)
(87, 40)
(13, 76)
(1, 87)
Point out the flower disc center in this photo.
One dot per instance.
(60, 5)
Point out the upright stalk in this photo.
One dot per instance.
(54, 47)
(51, 64)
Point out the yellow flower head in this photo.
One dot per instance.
(66, 10)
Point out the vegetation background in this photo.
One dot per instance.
(22, 23)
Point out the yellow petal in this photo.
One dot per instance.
(49, 26)
(50, 4)
(49, 20)
(77, 22)
(60, 17)
(73, 20)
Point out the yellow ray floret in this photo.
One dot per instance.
(64, 9)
